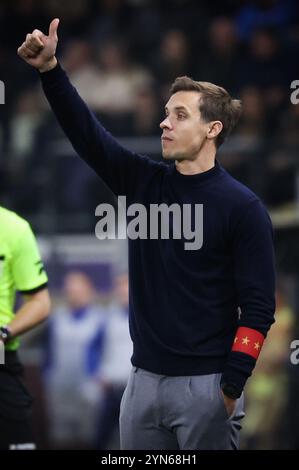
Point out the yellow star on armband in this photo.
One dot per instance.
(257, 345)
(245, 340)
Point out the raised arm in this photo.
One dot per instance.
(118, 167)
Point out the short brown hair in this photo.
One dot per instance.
(216, 104)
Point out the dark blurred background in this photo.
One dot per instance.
(122, 55)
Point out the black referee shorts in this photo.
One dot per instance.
(15, 406)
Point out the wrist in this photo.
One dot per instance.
(51, 64)
(230, 390)
(5, 334)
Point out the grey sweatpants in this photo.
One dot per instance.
(186, 412)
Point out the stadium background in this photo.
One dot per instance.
(122, 56)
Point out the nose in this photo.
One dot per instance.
(165, 124)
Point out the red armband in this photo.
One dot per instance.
(248, 341)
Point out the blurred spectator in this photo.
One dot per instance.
(147, 19)
(265, 13)
(112, 18)
(118, 79)
(27, 118)
(267, 66)
(253, 121)
(282, 161)
(189, 16)
(248, 162)
(75, 342)
(116, 364)
(219, 60)
(173, 58)
(82, 70)
(267, 390)
(147, 115)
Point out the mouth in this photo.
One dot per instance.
(166, 139)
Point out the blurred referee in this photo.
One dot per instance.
(198, 317)
(21, 269)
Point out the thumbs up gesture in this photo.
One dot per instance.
(39, 50)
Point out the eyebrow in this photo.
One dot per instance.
(178, 108)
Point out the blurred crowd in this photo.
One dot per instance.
(84, 363)
(122, 55)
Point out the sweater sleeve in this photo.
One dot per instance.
(117, 166)
(254, 274)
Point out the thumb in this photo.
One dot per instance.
(53, 29)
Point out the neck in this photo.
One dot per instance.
(204, 161)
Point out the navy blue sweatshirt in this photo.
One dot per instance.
(184, 304)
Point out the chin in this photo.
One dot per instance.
(169, 156)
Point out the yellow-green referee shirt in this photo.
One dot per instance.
(21, 268)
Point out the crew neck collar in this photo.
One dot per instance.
(213, 172)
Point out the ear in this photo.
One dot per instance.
(214, 129)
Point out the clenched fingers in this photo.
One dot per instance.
(34, 43)
(25, 52)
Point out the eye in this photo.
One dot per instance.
(181, 116)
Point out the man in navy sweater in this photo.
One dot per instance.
(198, 314)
